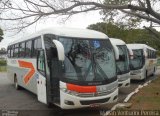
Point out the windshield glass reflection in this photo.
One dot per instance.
(138, 59)
(88, 60)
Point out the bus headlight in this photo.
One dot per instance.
(70, 92)
(135, 72)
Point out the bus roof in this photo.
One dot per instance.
(139, 46)
(66, 32)
(116, 41)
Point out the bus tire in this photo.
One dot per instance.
(49, 105)
(154, 71)
(17, 87)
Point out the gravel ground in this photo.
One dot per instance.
(26, 103)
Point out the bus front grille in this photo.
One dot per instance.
(102, 93)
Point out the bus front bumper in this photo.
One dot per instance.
(124, 80)
(72, 102)
(138, 76)
(124, 83)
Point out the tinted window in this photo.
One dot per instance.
(138, 60)
(37, 45)
(151, 54)
(8, 52)
(28, 48)
(41, 62)
(12, 51)
(16, 50)
(88, 60)
(148, 52)
(48, 41)
(123, 62)
(154, 54)
(22, 49)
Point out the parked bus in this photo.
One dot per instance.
(144, 61)
(123, 71)
(71, 68)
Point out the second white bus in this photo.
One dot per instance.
(123, 71)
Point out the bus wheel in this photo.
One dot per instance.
(154, 71)
(16, 83)
(49, 105)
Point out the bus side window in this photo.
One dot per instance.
(12, 51)
(8, 52)
(41, 62)
(37, 44)
(28, 48)
(16, 50)
(148, 54)
(22, 49)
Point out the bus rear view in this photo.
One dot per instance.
(77, 66)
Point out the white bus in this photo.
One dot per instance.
(144, 61)
(123, 71)
(71, 68)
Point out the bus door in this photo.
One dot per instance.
(41, 77)
(53, 63)
(54, 60)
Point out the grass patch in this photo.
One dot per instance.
(3, 64)
(148, 97)
(3, 68)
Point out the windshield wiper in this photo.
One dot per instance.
(101, 71)
(97, 65)
(88, 70)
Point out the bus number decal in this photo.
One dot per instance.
(31, 71)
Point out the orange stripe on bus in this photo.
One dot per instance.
(30, 73)
(81, 89)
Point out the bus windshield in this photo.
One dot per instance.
(123, 61)
(88, 60)
(138, 59)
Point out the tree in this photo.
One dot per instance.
(112, 30)
(3, 51)
(1, 34)
(134, 13)
(27, 12)
(128, 35)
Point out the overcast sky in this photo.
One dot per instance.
(76, 21)
(81, 20)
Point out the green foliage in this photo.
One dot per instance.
(128, 35)
(3, 62)
(1, 34)
(3, 69)
(118, 17)
(3, 51)
(110, 29)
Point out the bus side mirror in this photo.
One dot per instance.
(145, 54)
(116, 51)
(130, 54)
(60, 50)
